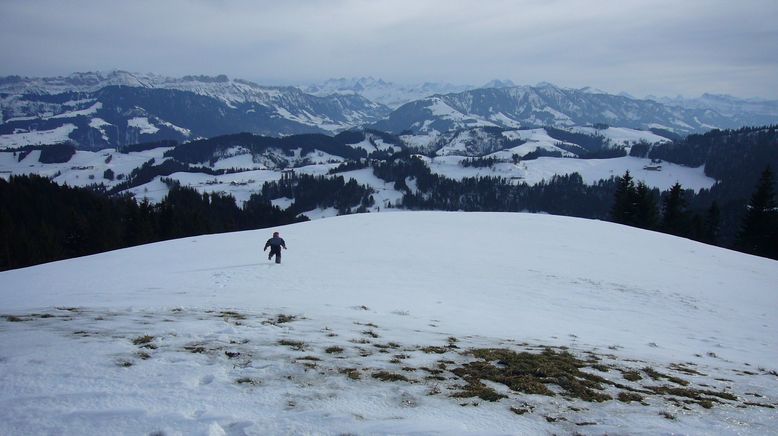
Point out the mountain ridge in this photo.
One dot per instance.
(98, 110)
(106, 110)
(548, 105)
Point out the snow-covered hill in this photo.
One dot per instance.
(391, 324)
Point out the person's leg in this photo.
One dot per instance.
(278, 255)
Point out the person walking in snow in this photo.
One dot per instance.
(275, 243)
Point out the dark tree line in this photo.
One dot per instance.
(563, 195)
(735, 158)
(41, 221)
(311, 192)
(670, 212)
(638, 205)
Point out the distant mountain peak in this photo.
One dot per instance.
(497, 83)
(380, 91)
(546, 85)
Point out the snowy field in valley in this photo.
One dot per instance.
(398, 323)
(534, 171)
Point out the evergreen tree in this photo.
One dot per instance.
(711, 226)
(758, 231)
(646, 212)
(623, 211)
(674, 220)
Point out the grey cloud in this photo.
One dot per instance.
(658, 47)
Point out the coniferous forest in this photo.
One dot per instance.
(41, 221)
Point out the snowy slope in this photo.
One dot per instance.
(84, 168)
(203, 336)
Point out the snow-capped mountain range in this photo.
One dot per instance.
(97, 110)
(390, 94)
(548, 105)
(113, 109)
(762, 111)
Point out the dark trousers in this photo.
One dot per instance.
(275, 251)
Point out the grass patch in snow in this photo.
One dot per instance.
(351, 373)
(247, 381)
(143, 340)
(627, 397)
(370, 333)
(685, 369)
(531, 373)
(705, 398)
(12, 318)
(524, 408)
(313, 358)
(369, 324)
(632, 376)
(387, 346)
(229, 314)
(196, 349)
(69, 309)
(475, 388)
(280, 319)
(435, 350)
(389, 376)
(659, 376)
(295, 345)
(333, 350)
(667, 415)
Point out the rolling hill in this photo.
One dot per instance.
(433, 323)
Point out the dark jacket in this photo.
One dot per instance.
(275, 242)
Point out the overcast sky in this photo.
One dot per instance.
(660, 47)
